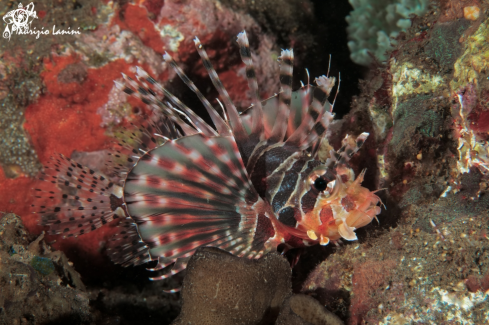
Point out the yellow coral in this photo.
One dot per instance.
(473, 151)
(409, 80)
(381, 119)
(474, 60)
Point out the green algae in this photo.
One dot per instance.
(444, 46)
(42, 265)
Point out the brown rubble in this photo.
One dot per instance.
(304, 310)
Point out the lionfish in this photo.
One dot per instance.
(250, 183)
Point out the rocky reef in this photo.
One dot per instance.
(220, 288)
(427, 110)
(38, 285)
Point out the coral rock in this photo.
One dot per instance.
(220, 288)
(373, 24)
(37, 289)
(305, 310)
(472, 12)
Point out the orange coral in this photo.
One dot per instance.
(454, 9)
(472, 12)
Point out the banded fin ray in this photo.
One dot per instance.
(257, 128)
(221, 126)
(126, 247)
(194, 192)
(239, 132)
(146, 95)
(280, 124)
(341, 157)
(153, 96)
(312, 126)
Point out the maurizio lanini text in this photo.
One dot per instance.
(43, 31)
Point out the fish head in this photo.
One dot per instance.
(337, 205)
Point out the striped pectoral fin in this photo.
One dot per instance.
(73, 199)
(193, 192)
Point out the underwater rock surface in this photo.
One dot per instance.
(426, 263)
(220, 288)
(37, 285)
(301, 309)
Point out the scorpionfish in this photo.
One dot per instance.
(247, 184)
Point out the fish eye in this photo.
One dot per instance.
(320, 184)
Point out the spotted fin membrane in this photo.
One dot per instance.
(247, 184)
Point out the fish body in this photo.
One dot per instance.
(249, 183)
